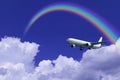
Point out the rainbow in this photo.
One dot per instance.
(81, 11)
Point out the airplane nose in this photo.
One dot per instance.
(68, 40)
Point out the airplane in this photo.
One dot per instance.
(85, 44)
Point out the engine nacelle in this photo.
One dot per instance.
(73, 45)
(88, 44)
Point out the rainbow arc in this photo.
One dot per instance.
(81, 11)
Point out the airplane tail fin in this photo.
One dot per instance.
(100, 40)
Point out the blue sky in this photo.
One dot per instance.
(52, 30)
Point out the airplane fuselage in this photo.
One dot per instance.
(82, 44)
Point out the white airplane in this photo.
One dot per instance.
(85, 44)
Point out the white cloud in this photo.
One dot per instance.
(16, 63)
(12, 50)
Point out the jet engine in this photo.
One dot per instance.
(88, 44)
(73, 45)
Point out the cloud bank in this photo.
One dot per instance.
(17, 63)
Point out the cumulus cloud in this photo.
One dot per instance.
(17, 63)
(12, 50)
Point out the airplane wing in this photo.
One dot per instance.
(93, 43)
